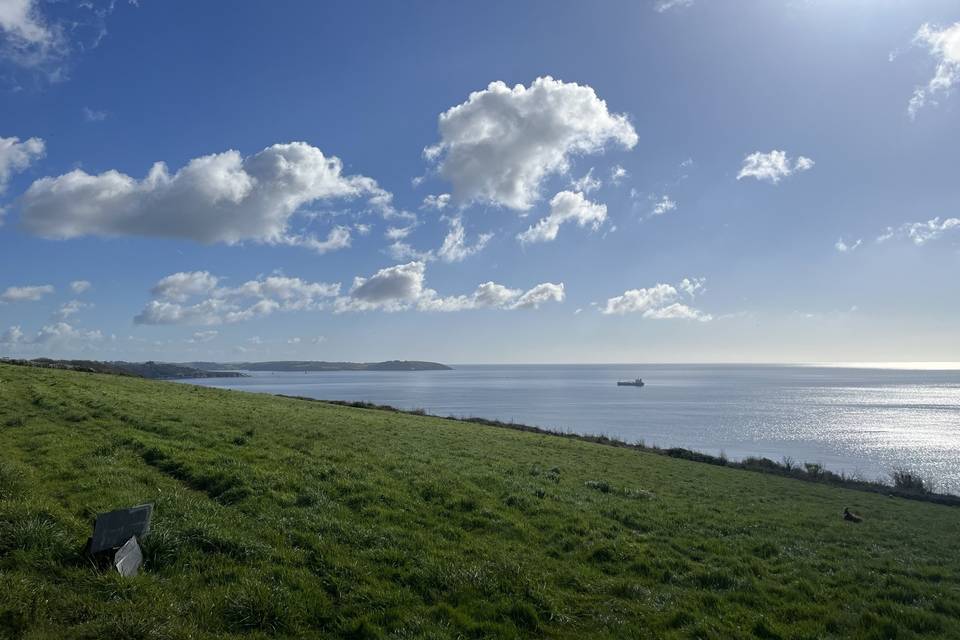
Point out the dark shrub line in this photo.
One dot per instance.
(905, 484)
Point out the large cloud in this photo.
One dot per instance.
(195, 298)
(501, 143)
(222, 197)
(403, 287)
(566, 206)
(773, 166)
(944, 46)
(660, 302)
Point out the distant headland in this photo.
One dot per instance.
(186, 370)
(319, 365)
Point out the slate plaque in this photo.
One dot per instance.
(129, 558)
(117, 527)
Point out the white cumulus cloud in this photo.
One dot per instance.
(403, 287)
(660, 302)
(773, 166)
(566, 206)
(500, 145)
(540, 294)
(222, 197)
(180, 286)
(28, 39)
(944, 45)
(196, 298)
(693, 286)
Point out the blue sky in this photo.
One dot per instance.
(768, 181)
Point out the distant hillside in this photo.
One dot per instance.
(317, 365)
(153, 370)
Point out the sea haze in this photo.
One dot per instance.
(855, 419)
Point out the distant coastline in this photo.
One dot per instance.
(318, 365)
(151, 370)
(194, 370)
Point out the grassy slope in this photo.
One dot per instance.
(278, 517)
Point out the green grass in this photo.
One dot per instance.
(278, 517)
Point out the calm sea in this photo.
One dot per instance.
(864, 420)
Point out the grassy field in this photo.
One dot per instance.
(284, 518)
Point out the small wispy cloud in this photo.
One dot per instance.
(92, 115)
(587, 183)
(921, 233)
(617, 174)
(662, 6)
(46, 43)
(843, 246)
(664, 205)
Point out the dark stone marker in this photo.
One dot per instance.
(117, 527)
(129, 558)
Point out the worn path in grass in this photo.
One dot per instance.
(284, 518)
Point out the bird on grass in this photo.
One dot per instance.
(849, 515)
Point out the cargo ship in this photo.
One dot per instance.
(630, 383)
